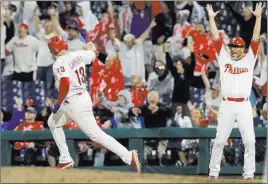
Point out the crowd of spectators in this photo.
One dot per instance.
(156, 68)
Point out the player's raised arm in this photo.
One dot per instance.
(89, 53)
(257, 28)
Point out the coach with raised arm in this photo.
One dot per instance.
(236, 75)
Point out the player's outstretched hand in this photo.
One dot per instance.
(56, 108)
(258, 10)
(210, 11)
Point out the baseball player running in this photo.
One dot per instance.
(74, 103)
(236, 74)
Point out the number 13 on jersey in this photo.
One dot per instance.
(80, 74)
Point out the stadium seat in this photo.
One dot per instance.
(8, 84)
(10, 90)
(34, 85)
(51, 93)
(8, 104)
(197, 96)
(36, 91)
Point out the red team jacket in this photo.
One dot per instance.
(100, 35)
(109, 80)
(202, 45)
(139, 95)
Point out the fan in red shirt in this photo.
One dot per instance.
(100, 35)
(203, 47)
(28, 125)
(138, 92)
(106, 77)
(98, 68)
(113, 78)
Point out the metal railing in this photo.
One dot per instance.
(136, 141)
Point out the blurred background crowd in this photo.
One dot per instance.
(157, 68)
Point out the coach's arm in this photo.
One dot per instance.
(213, 28)
(257, 28)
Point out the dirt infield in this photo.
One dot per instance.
(51, 175)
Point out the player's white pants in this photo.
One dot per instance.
(228, 113)
(79, 109)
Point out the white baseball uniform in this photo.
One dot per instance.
(236, 83)
(77, 106)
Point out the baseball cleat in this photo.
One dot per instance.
(212, 177)
(249, 179)
(135, 163)
(65, 165)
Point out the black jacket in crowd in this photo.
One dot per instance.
(154, 120)
(247, 27)
(181, 91)
(164, 23)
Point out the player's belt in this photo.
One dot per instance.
(235, 99)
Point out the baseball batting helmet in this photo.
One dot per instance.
(57, 44)
(237, 42)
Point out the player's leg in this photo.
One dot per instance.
(246, 127)
(88, 125)
(225, 125)
(80, 110)
(55, 123)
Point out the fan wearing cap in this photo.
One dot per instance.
(71, 35)
(29, 124)
(24, 48)
(236, 75)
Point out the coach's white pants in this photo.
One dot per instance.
(79, 109)
(228, 113)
